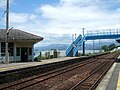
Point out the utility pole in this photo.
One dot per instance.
(7, 26)
(83, 43)
(93, 47)
(99, 46)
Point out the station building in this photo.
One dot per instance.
(20, 45)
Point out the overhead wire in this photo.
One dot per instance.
(3, 15)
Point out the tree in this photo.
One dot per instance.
(112, 46)
(105, 48)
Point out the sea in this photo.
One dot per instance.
(62, 52)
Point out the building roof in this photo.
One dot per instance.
(16, 34)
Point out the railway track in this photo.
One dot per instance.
(22, 83)
(91, 81)
(66, 77)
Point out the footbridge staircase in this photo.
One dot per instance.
(73, 48)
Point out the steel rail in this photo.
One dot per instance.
(61, 70)
(79, 83)
(69, 69)
(100, 78)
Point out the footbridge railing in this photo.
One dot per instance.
(103, 32)
(72, 50)
(72, 46)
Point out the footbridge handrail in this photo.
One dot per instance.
(78, 45)
(104, 32)
(72, 46)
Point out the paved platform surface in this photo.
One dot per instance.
(13, 66)
(111, 81)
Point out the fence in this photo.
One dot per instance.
(50, 53)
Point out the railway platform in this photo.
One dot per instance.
(111, 81)
(20, 65)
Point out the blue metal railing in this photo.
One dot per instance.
(105, 32)
(78, 46)
(70, 48)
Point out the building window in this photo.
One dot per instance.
(10, 48)
(2, 48)
(18, 51)
(30, 51)
(3, 44)
(10, 45)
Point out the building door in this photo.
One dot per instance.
(24, 54)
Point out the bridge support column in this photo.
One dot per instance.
(83, 43)
(83, 48)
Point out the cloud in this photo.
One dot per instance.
(56, 39)
(72, 15)
(32, 17)
(3, 3)
(68, 17)
(18, 18)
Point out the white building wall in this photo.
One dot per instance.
(29, 57)
(0, 54)
(18, 58)
(32, 53)
(15, 58)
(21, 45)
(0, 49)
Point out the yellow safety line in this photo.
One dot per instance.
(118, 84)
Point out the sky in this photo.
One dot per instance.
(58, 20)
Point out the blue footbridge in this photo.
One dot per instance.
(73, 48)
